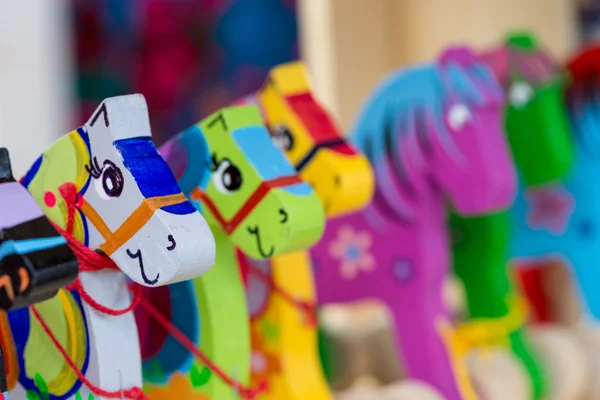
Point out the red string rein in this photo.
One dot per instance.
(245, 393)
(89, 261)
(309, 309)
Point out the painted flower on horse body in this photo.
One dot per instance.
(262, 362)
(550, 208)
(353, 249)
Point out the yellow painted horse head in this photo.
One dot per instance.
(303, 129)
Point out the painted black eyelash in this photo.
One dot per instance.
(94, 168)
(215, 163)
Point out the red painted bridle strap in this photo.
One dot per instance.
(261, 191)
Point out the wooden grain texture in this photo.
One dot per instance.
(350, 44)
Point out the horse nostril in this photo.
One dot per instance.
(284, 215)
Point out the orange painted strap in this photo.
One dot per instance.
(24, 277)
(261, 191)
(138, 218)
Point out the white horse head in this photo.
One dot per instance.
(130, 206)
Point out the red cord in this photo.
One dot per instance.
(137, 294)
(135, 393)
(244, 392)
(89, 261)
(307, 308)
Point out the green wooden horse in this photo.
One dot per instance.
(540, 140)
(252, 199)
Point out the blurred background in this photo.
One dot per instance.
(60, 58)
(190, 57)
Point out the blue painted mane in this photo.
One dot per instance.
(584, 113)
(150, 172)
(408, 108)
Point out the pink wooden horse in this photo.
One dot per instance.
(431, 132)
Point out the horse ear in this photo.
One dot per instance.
(188, 156)
(497, 61)
(460, 55)
(123, 116)
(5, 169)
(290, 78)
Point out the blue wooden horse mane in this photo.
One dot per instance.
(408, 108)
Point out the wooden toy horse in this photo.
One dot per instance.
(430, 131)
(107, 188)
(281, 294)
(252, 199)
(559, 222)
(537, 130)
(35, 260)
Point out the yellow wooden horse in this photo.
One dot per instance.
(281, 293)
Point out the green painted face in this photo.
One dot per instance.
(244, 184)
(536, 117)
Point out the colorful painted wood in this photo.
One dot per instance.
(559, 221)
(108, 181)
(281, 293)
(536, 124)
(253, 199)
(430, 132)
(35, 261)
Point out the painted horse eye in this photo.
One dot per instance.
(520, 94)
(227, 177)
(458, 116)
(112, 179)
(282, 138)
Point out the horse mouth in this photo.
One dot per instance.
(254, 231)
(138, 255)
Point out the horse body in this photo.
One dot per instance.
(568, 235)
(535, 118)
(280, 291)
(400, 263)
(109, 179)
(560, 220)
(430, 131)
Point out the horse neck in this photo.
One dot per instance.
(406, 195)
(427, 222)
(225, 247)
(115, 338)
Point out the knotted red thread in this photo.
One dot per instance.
(307, 308)
(89, 261)
(245, 393)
